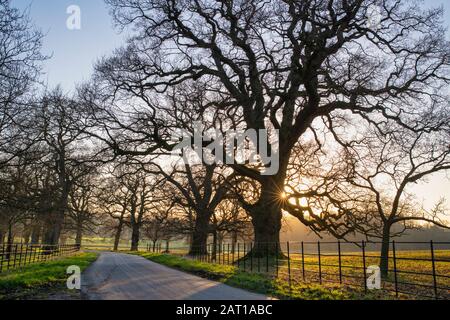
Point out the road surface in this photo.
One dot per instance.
(116, 276)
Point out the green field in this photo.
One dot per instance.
(255, 282)
(42, 280)
(413, 268)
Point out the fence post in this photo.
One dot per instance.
(245, 255)
(277, 252)
(320, 262)
(364, 265)
(26, 253)
(233, 251)
(434, 270)
(9, 248)
(259, 256)
(289, 265)
(395, 268)
(218, 252)
(238, 254)
(2, 257)
(223, 253)
(212, 250)
(252, 246)
(15, 255)
(34, 254)
(303, 261)
(20, 254)
(340, 262)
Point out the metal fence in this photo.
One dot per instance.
(416, 269)
(17, 254)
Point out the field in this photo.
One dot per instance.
(411, 273)
(42, 280)
(255, 282)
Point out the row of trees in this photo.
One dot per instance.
(355, 114)
(56, 181)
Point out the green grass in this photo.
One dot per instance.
(255, 282)
(415, 277)
(353, 266)
(41, 279)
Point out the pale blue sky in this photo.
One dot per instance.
(75, 51)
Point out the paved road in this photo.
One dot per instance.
(117, 276)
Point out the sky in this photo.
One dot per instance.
(75, 51)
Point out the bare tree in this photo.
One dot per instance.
(386, 168)
(83, 207)
(140, 187)
(59, 127)
(161, 222)
(202, 188)
(113, 201)
(276, 65)
(232, 221)
(20, 61)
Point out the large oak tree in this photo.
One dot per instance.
(278, 65)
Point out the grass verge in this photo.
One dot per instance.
(46, 280)
(255, 282)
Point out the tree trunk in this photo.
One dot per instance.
(384, 255)
(154, 245)
(167, 247)
(26, 235)
(79, 235)
(53, 233)
(9, 243)
(234, 237)
(200, 234)
(118, 235)
(214, 246)
(54, 225)
(266, 216)
(55, 221)
(135, 237)
(266, 220)
(36, 234)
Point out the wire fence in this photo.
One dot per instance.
(422, 272)
(419, 269)
(18, 255)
